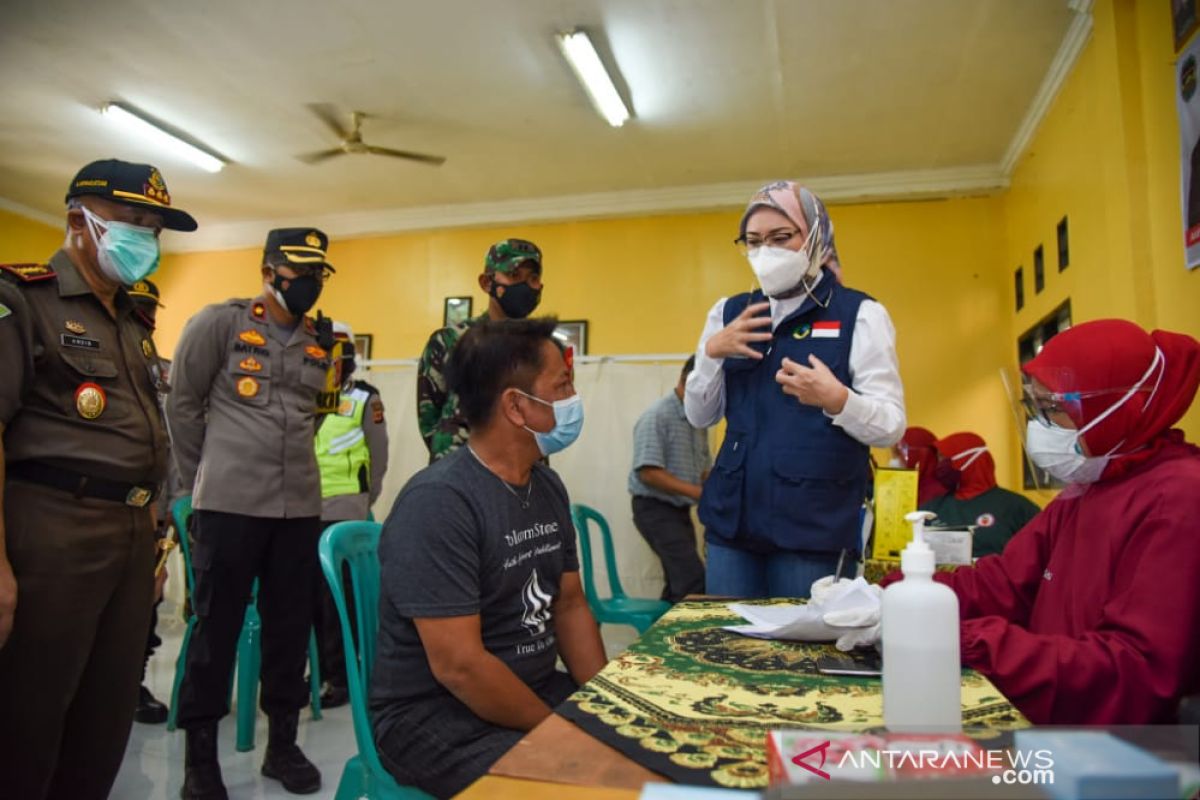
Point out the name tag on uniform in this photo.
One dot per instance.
(78, 341)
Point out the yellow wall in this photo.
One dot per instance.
(1106, 155)
(646, 284)
(23, 240)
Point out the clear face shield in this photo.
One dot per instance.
(1033, 403)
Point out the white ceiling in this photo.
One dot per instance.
(726, 94)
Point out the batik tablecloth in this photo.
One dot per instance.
(693, 702)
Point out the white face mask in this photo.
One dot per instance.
(971, 457)
(778, 269)
(1057, 449)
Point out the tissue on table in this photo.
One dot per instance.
(844, 610)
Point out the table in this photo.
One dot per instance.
(692, 702)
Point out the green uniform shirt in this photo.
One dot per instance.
(997, 514)
(77, 386)
(441, 422)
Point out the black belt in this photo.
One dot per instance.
(137, 495)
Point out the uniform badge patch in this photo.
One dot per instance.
(247, 387)
(147, 348)
(252, 336)
(377, 411)
(827, 330)
(250, 364)
(346, 409)
(985, 520)
(316, 352)
(75, 327)
(90, 400)
(258, 311)
(802, 331)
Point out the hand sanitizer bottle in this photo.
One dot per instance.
(921, 665)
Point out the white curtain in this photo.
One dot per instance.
(595, 469)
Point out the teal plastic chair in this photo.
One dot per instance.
(357, 544)
(249, 649)
(619, 608)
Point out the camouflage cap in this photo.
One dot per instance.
(509, 254)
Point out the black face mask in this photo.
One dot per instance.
(519, 300)
(300, 295)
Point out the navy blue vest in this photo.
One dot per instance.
(787, 478)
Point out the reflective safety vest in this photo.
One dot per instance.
(342, 453)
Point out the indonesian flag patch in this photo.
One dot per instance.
(827, 330)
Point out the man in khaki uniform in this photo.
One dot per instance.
(84, 450)
(249, 377)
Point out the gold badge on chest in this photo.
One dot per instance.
(147, 348)
(90, 400)
(247, 387)
(75, 327)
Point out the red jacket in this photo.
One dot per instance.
(1091, 615)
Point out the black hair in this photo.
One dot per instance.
(493, 356)
(688, 366)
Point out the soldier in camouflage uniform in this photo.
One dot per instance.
(512, 279)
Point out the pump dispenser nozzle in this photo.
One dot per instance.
(918, 556)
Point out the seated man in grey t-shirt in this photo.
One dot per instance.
(480, 590)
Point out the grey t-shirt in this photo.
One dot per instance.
(458, 542)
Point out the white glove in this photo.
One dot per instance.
(860, 621)
(825, 589)
(858, 637)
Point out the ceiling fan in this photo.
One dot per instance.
(352, 141)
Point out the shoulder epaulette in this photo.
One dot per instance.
(28, 273)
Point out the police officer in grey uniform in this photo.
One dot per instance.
(83, 452)
(249, 380)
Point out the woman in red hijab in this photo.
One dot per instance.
(918, 450)
(1091, 615)
(966, 468)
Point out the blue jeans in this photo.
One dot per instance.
(739, 573)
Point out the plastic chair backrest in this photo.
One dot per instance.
(582, 515)
(181, 512)
(356, 544)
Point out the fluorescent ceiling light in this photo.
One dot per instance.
(579, 52)
(133, 122)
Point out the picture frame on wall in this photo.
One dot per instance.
(456, 310)
(1184, 20)
(362, 346)
(574, 333)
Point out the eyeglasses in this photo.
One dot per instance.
(772, 239)
(1042, 405)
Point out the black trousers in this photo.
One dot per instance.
(669, 532)
(329, 627)
(441, 746)
(230, 551)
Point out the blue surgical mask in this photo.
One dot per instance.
(127, 253)
(568, 422)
